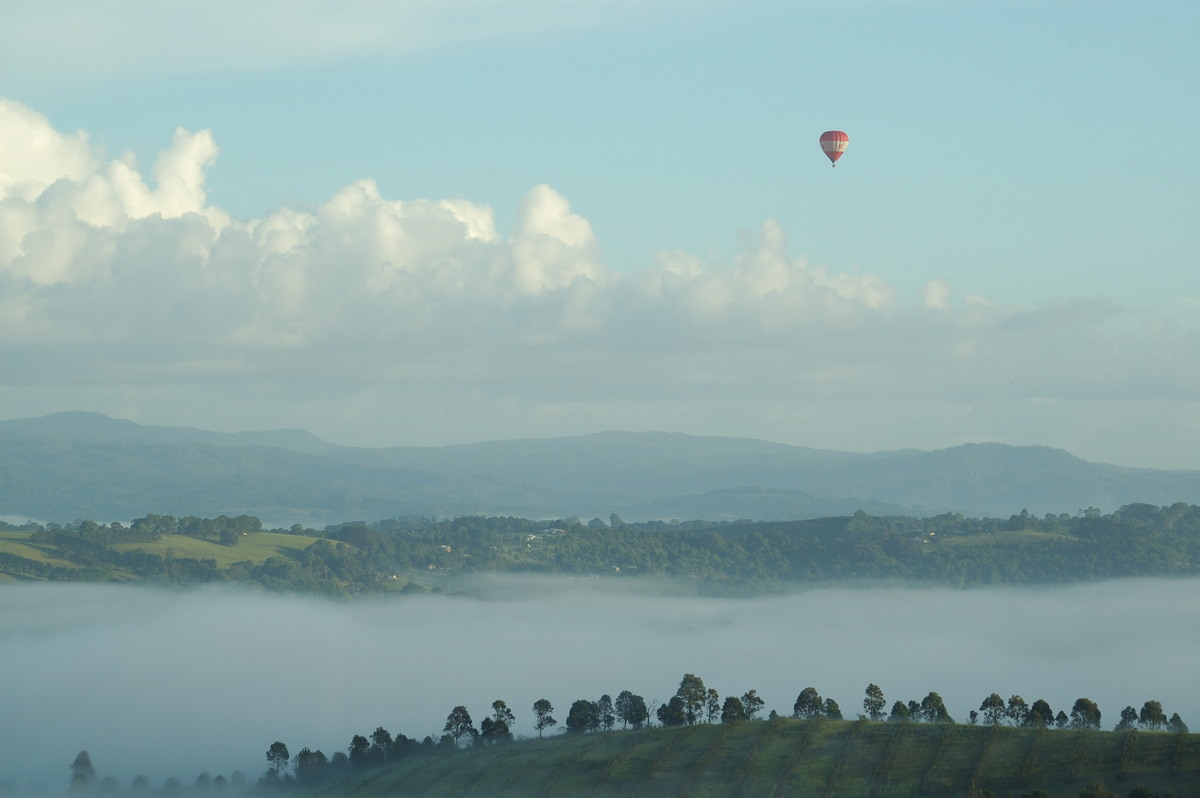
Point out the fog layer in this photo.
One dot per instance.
(176, 684)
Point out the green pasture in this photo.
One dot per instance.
(253, 547)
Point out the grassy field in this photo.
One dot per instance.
(254, 547)
(788, 757)
(17, 544)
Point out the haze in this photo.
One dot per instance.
(180, 683)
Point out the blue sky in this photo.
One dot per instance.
(584, 216)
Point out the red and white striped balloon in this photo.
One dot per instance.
(834, 142)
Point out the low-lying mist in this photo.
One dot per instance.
(181, 683)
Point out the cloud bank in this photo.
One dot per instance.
(377, 320)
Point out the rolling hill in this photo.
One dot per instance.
(84, 465)
(785, 757)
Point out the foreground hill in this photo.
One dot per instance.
(785, 757)
(84, 465)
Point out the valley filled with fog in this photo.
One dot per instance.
(179, 683)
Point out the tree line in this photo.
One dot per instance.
(693, 703)
(723, 557)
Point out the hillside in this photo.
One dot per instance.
(785, 757)
(83, 465)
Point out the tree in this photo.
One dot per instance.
(691, 691)
(933, 709)
(874, 703)
(1176, 724)
(460, 726)
(310, 766)
(1085, 714)
(900, 713)
(752, 704)
(831, 710)
(733, 710)
(500, 728)
(992, 709)
(1129, 719)
(808, 704)
(1040, 714)
(381, 746)
(582, 717)
(541, 711)
(1017, 711)
(501, 713)
(672, 713)
(83, 775)
(631, 709)
(278, 756)
(360, 751)
(1152, 716)
(712, 705)
(604, 712)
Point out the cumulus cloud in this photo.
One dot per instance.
(139, 289)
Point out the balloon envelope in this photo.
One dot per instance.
(833, 143)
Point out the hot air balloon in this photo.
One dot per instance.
(834, 142)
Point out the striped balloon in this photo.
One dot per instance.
(834, 142)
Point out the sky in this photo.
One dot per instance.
(426, 223)
(205, 681)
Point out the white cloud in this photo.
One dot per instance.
(163, 305)
(936, 294)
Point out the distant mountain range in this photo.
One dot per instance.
(74, 465)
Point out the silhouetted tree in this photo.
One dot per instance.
(1085, 714)
(1040, 714)
(992, 709)
(874, 703)
(582, 717)
(808, 704)
(311, 766)
(631, 709)
(83, 775)
(1152, 716)
(460, 726)
(1017, 710)
(278, 756)
(712, 705)
(933, 709)
(733, 710)
(543, 719)
(360, 751)
(752, 704)
(605, 715)
(692, 692)
(672, 713)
